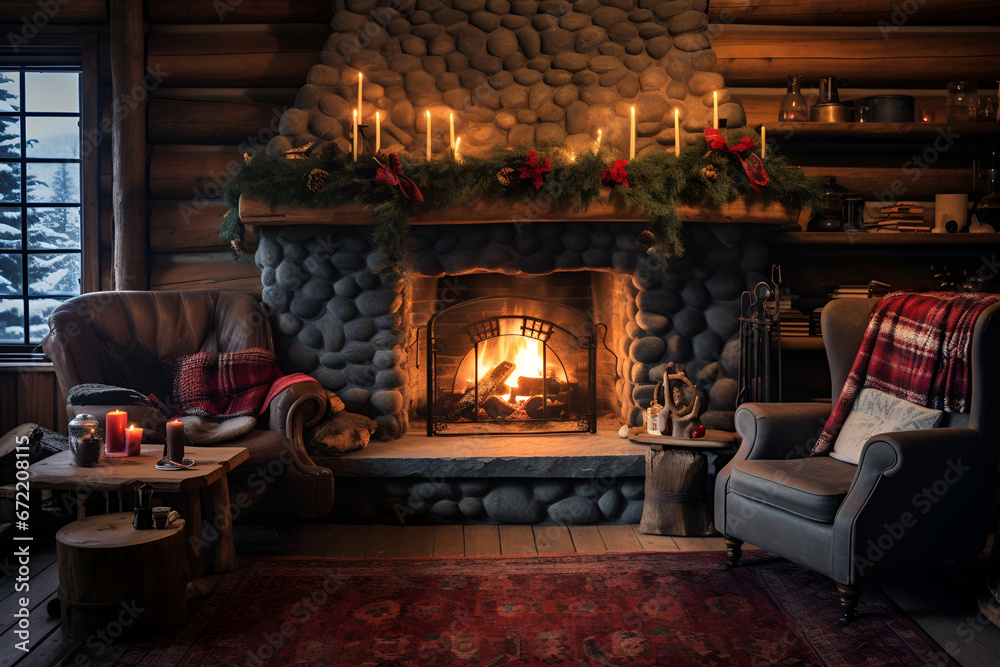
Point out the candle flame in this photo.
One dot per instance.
(376, 115)
(598, 137)
(131, 427)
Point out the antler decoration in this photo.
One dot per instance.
(752, 165)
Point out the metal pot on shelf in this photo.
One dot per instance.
(829, 108)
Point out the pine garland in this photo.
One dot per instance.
(659, 182)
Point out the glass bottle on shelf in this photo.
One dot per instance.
(793, 105)
(961, 103)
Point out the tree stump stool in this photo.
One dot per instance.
(116, 581)
(677, 490)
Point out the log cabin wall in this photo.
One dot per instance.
(227, 71)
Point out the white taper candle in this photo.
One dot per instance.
(763, 142)
(631, 136)
(378, 132)
(428, 136)
(355, 135)
(715, 109)
(677, 132)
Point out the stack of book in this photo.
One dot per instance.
(794, 323)
(907, 216)
(874, 289)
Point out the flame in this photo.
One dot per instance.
(525, 353)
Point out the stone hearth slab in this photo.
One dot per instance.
(564, 455)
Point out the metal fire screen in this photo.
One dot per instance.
(511, 364)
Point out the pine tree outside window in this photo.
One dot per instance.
(41, 239)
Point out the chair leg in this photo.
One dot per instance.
(734, 549)
(849, 596)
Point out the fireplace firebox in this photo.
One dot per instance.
(511, 364)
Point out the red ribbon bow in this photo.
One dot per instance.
(534, 168)
(393, 175)
(617, 173)
(752, 165)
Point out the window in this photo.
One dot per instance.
(41, 213)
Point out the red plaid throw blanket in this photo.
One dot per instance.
(220, 386)
(916, 347)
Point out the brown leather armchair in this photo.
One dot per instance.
(120, 338)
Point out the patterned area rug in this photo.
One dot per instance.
(609, 609)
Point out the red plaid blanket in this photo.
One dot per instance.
(916, 347)
(219, 386)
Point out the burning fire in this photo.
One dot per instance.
(524, 352)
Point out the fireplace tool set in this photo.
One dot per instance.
(760, 343)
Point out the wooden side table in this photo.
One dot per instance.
(111, 573)
(677, 499)
(118, 474)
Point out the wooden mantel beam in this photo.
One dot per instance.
(128, 146)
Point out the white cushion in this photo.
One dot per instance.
(877, 412)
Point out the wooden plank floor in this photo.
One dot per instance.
(936, 601)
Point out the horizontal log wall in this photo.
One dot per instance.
(855, 12)
(30, 396)
(229, 70)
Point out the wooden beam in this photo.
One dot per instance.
(128, 137)
(77, 11)
(195, 175)
(181, 226)
(854, 12)
(911, 56)
(239, 11)
(255, 212)
(202, 122)
(205, 271)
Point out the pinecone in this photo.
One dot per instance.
(238, 247)
(505, 176)
(710, 172)
(316, 179)
(382, 157)
(646, 239)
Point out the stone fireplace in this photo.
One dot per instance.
(518, 73)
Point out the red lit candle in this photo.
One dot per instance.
(175, 441)
(133, 440)
(114, 432)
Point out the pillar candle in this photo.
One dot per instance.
(631, 137)
(451, 130)
(763, 142)
(428, 136)
(133, 440)
(458, 156)
(355, 135)
(175, 441)
(114, 432)
(360, 77)
(378, 132)
(677, 132)
(715, 109)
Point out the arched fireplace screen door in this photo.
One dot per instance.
(511, 364)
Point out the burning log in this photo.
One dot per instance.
(533, 408)
(491, 383)
(497, 408)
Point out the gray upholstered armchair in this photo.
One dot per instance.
(120, 338)
(915, 498)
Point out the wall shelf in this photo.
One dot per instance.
(882, 239)
(965, 133)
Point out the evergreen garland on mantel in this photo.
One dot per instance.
(658, 182)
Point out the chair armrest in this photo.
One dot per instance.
(307, 398)
(918, 497)
(296, 408)
(779, 430)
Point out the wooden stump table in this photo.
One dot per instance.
(119, 580)
(677, 491)
(118, 474)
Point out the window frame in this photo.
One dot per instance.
(54, 50)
